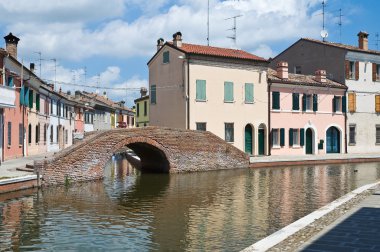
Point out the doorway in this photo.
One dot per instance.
(309, 141)
(261, 141)
(248, 139)
(332, 140)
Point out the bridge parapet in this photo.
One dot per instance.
(160, 150)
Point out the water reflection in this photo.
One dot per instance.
(220, 210)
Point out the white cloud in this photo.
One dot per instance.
(264, 51)
(262, 22)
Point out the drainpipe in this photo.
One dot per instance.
(345, 126)
(269, 126)
(188, 93)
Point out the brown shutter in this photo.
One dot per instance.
(374, 65)
(351, 102)
(357, 70)
(377, 103)
(347, 65)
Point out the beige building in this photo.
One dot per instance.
(220, 90)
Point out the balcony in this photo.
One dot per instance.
(7, 97)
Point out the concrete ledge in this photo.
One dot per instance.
(279, 236)
(18, 183)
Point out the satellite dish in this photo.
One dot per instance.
(324, 34)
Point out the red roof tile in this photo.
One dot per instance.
(217, 51)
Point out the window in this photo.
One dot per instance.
(352, 70)
(377, 134)
(248, 88)
(51, 106)
(294, 137)
(229, 132)
(145, 108)
(352, 134)
(9, 133)
(307, 102)
(200, 90)
(228, 91)
(201, 126)
(10, 81)
(51, 134)
(275, 137)
(297, 70)
(37, 134)
(351, 102)
(165, 57)
(296, 101)
(315, 102)
(153, 94)
(30, 134)
(339, 104)
(57, 134)
(377, 103)
(66, 112)
(20, 134)
(45, 134)
(30, 98)
(275, 100)
(138, 109)
(66, 136)
(376, 72)
(38, 102)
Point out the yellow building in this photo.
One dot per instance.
(142, 109)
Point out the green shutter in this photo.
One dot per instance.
(282, 137)
(296, 102)
(38, 102)
(248, 92)
(10, 81)
(26, 96)
(22, 98)
(304, 102)
(275, 100)
(153, 99)
(334, 104)
(228, 91)
(30, 98)
(302, 137)
(290, 137)
(201, 90)
(344, 103)
(165, 58)
(315, 102)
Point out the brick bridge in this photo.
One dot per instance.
(160, 150)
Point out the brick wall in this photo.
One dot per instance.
(160, 149)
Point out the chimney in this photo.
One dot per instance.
(105, 94)
(177, 39)
(32, 67)
(363, 40)
(282, 70)
(68, 92)
(320, 76)
(11, 42)
(160, 43)
(143, 91)
(51, 86)
(77, 94)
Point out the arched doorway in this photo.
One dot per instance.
(309, 141)
(332, 140)
(248, 133)
(261, 139)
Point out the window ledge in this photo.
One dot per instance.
(338, 113)
(246, 102)
(229, 101)
(296, 111)
(276, 147)
(351, 144)
(197, 100)
(296, 146)
(276, 110)
(377, 144)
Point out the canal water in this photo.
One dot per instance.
(208, 211)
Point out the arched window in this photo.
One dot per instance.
(45, 130)
(37, 133)
(30, 134)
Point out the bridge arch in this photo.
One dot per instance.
(153, 156)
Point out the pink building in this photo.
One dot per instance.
(307, 113)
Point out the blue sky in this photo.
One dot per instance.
(111, 41)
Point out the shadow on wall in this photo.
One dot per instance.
(152, 159)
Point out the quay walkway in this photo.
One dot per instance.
(357, 230)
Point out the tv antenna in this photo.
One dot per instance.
(377, 40)
(324, 33)
(40, 59)
(234, 28)
(208, 22)
(340, 25)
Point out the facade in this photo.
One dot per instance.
(307, 113)
(359, 69)
(142, 109)
(220, 90)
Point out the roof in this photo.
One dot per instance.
(213, 51)
(146, 97)
(342, 46)
(303, 80)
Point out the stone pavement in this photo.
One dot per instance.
(8, 168)
(357, 230)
